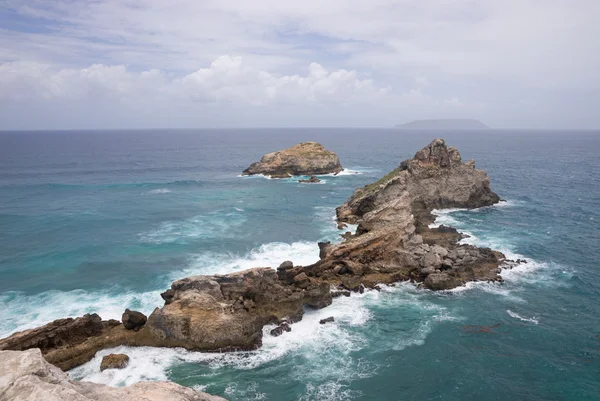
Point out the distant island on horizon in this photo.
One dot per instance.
(450, 123)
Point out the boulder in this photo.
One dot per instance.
(133, 320)
(114, 361)
(311, 180)
(284, 327)
(25, 375)
(329, 319)
(441, 281)
(307, 158)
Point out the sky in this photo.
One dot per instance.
(100, 64)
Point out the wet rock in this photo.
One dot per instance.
(329, 319)
(114, 361)
(311, 180)
(336, 294)
(440, 281)
(133, 320)
(341, 225)
(284, 327)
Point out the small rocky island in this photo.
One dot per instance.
(393, 242)
(307, 158)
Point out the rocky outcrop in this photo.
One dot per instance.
(25, 375)
(307, 158)
(228, 312)
(114, 361)
(68, 343)
(311, 180)
(393, 240)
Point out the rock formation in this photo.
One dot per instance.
(68, 343)
(25, 375)
(228, 312)
(393, 242)
(307, 158)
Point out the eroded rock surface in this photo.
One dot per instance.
(307, 158)
(25, 375)
(68, 343)
(393, 240)
(228, 312)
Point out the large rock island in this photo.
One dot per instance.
(393, 242)
(307, 158)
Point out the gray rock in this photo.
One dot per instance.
(26, 376)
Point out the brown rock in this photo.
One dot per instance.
(201, 315)
(308, 158)
(311, 180)
(133, 320)
(114, 361)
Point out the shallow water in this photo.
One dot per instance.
(101, 221)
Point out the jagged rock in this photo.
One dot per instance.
(393, 242)
(279, 330)
(114, 361)
(25, 375)
(341, 225)
(69, 342)
(307, 158)
(311, 180)
(329, 319)
(202, 316)
(393, 239)
(336, 294)
(133, 320)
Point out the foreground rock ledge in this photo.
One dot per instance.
(25, 375)
(393, 242)
(307, 158)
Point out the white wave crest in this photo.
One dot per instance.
(201, 226)
(533, 320)
(333, 341)
(159, 191)
(28, 311)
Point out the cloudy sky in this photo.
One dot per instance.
(267, 63)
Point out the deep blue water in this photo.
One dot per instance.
(101, 221)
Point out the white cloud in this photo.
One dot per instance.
(487, 53)
(226, 79)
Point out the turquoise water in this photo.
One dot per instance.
(101, 221)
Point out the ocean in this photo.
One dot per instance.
(103, 221)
